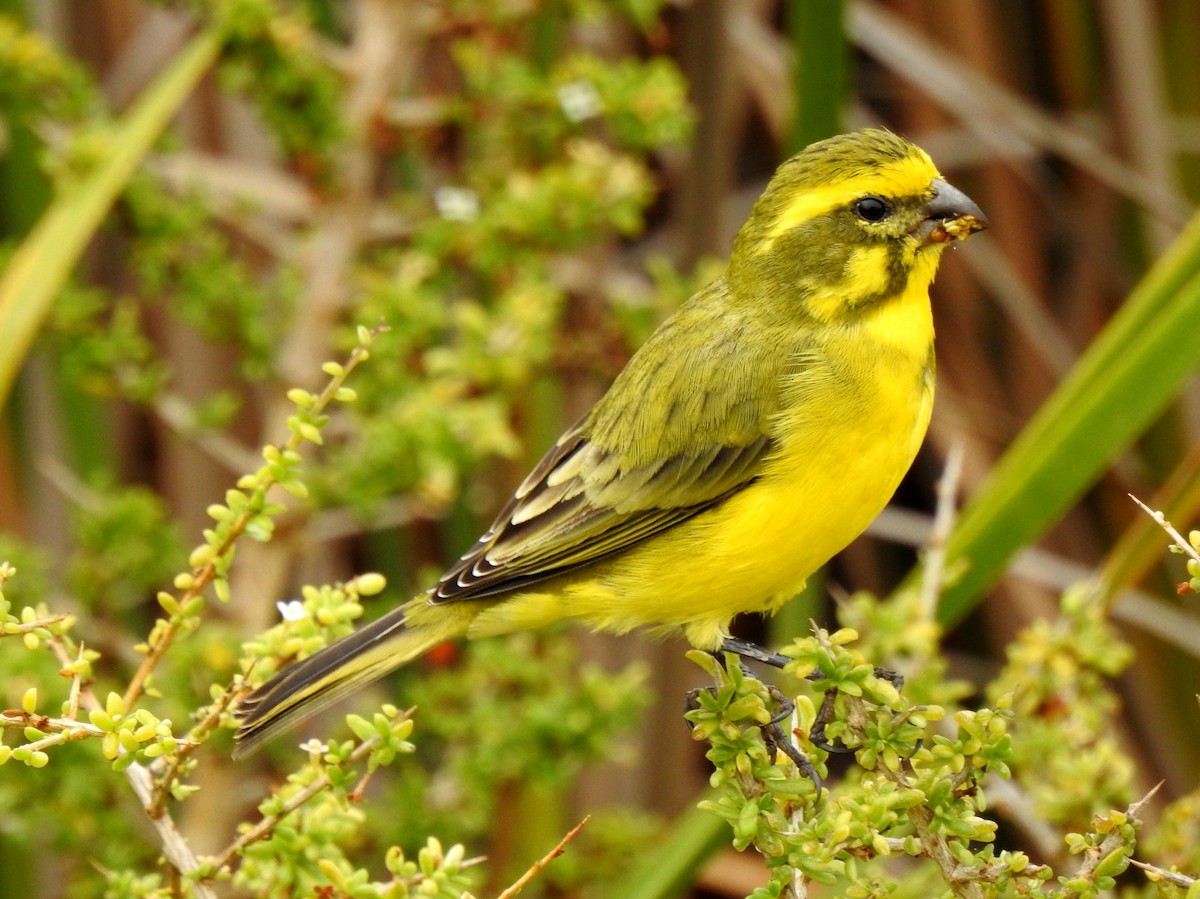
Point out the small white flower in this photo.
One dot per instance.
(579, 100)
(313, 746)
(457, 204)
(292, 610)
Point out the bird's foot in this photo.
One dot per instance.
(746, 650)
(778, 740)
(775, 737)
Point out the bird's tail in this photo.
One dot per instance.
(367, 654)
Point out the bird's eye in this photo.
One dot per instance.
(872, 209)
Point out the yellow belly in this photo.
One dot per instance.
(754, 551)
(845, 439)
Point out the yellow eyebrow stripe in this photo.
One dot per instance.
(910, 179)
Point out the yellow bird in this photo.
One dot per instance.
(759, 430)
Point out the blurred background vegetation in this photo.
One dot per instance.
(201, 200)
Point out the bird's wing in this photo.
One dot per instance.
(683, 427)
(561, 520)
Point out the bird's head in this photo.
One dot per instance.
(847, 224)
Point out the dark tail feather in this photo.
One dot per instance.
(324, 677)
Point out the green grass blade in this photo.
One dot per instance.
(821, 73)
(44, 260)
(1123, 381)
(671, 870)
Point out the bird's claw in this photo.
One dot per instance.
(747, 650)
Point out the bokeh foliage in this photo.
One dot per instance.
(520, 190)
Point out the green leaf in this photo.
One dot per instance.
(821, 74)
(1124, 380)
(44, 260)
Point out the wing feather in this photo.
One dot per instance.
(698, 433)
(556, 525)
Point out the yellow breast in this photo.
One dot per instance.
(854, 411)
(850, 427)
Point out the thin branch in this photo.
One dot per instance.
(76, 687)
(1184, 546)
(943, 523)
(537, 867)
(168, 767)
(1157, 873)
(203, 575)
(27, 626)
(269, 822)
(964, 882)
(175, 847)
(1114, 840)
(64, 730)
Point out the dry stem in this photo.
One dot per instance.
(175, 847)
(1176, 537)
(943, 523)
(263, 828)
(541, 863)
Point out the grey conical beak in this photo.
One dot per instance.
(950, 215)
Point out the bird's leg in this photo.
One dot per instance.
(773, 733)
(895, 678)
(786, 706)
(747, 650)
(824, 716)
(691, 702)
(777, 739)
(774, 736)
